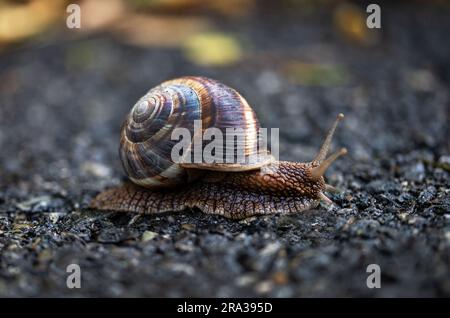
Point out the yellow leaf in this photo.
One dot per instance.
(350, 20)
(213, 49)
(158, 31)
(315, 74)
(19, 21)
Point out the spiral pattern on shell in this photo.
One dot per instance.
(146, 144)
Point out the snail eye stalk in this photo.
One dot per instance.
(326, 144)
(319, 171)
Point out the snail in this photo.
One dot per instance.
(233, 190)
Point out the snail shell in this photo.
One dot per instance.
(146, 143)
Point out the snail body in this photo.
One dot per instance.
(231, 189)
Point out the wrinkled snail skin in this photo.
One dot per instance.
(233, 195)
(234, 191)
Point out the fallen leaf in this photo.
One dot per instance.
(350, 20)
(98, 14)
(312, 74)
(20, 21)
(213, 49)
(158, 31)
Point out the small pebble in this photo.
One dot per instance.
(148, 236)
(96, 169)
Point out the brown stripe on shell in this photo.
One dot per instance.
(228, 110)
(204, 90)
(148, 162)
(139, 132)
(147, 145)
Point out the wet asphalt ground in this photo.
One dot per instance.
(59, 126)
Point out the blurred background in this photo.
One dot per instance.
(65, 92)
(298, 63)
